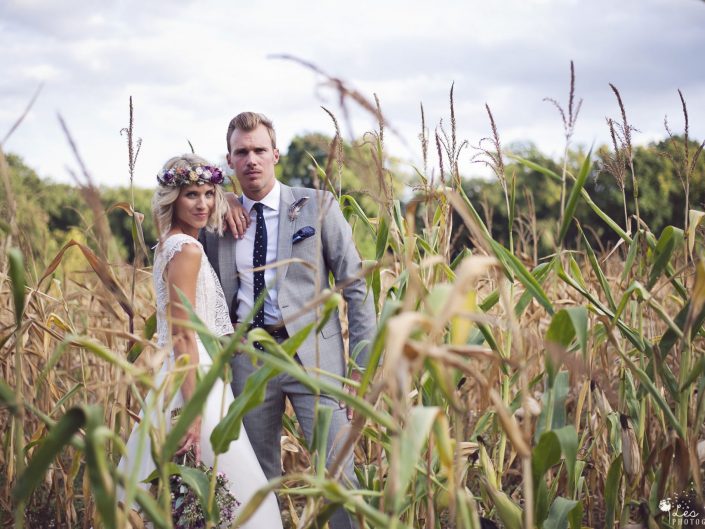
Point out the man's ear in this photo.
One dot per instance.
(276, 156)
(228, 159)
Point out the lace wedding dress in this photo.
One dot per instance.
(239, 463)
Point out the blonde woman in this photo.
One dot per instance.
(189, 198)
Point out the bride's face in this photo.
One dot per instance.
(193, 207)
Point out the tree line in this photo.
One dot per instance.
(49, 214)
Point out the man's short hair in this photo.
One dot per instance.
(249, 121)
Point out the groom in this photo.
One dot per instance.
(306, 229)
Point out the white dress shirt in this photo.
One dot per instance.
(244, 248)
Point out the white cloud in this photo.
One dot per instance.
(191, 65)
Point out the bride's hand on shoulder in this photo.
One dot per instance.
(236, 218)
(192, 440)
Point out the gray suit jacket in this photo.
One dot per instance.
(331, 250)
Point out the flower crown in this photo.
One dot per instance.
(197, 174)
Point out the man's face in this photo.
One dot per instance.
(252, 157)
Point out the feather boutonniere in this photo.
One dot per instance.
(295, 208)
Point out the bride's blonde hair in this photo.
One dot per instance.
(165, 196)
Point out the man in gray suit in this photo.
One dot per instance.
(289, 224)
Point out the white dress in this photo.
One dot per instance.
(239, 463)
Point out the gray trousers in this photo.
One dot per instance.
(264, 425)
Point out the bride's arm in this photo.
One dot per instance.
(182, 274)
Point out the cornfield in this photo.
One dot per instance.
(503, 389)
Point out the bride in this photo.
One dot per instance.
(189, 198)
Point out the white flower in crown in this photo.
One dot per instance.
(199, 171)
(193, 176)
(207, 173)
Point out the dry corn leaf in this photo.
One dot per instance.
(101, 269)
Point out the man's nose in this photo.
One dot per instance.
(251, 158)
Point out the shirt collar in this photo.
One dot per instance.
(271, 200)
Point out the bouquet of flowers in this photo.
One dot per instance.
(186, 509)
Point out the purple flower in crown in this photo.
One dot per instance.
(199, 174)
(216, 175)
(166, 178)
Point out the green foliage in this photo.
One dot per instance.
(121, 222)
(566, 373)
(48, 213)
(661, 194)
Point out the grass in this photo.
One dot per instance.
(553, 393)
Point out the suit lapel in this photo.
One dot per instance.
(228, 270)
(286, 231)
(228, 266)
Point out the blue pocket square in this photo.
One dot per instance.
(303, 233)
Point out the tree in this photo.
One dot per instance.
(660, 170)
(50, 214)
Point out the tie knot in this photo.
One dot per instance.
(258, 206)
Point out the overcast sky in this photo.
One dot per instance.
(190, 66)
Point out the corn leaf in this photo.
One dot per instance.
(566, 325)
(594, 264)
(196, 480)
(536, 167)
(18, 283)
(414, 437)
(7, 396)
(514, 266)
(612, 491)
(150, 327)
(574, 195)
(58, 437)
(695, 217)
(319, 441)
(508, 511)
(559, 512)
(670, 239)
(382, 238)
(98, 467)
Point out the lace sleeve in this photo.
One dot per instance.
(163, 254)
(173, 245)
(221, 323)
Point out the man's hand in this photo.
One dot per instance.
(236, 218)
(355, 376)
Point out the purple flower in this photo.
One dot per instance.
(186, 509)
(197, 174)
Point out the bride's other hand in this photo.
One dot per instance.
(236, 218)
(192, 441)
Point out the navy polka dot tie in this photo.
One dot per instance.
(259, 258)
